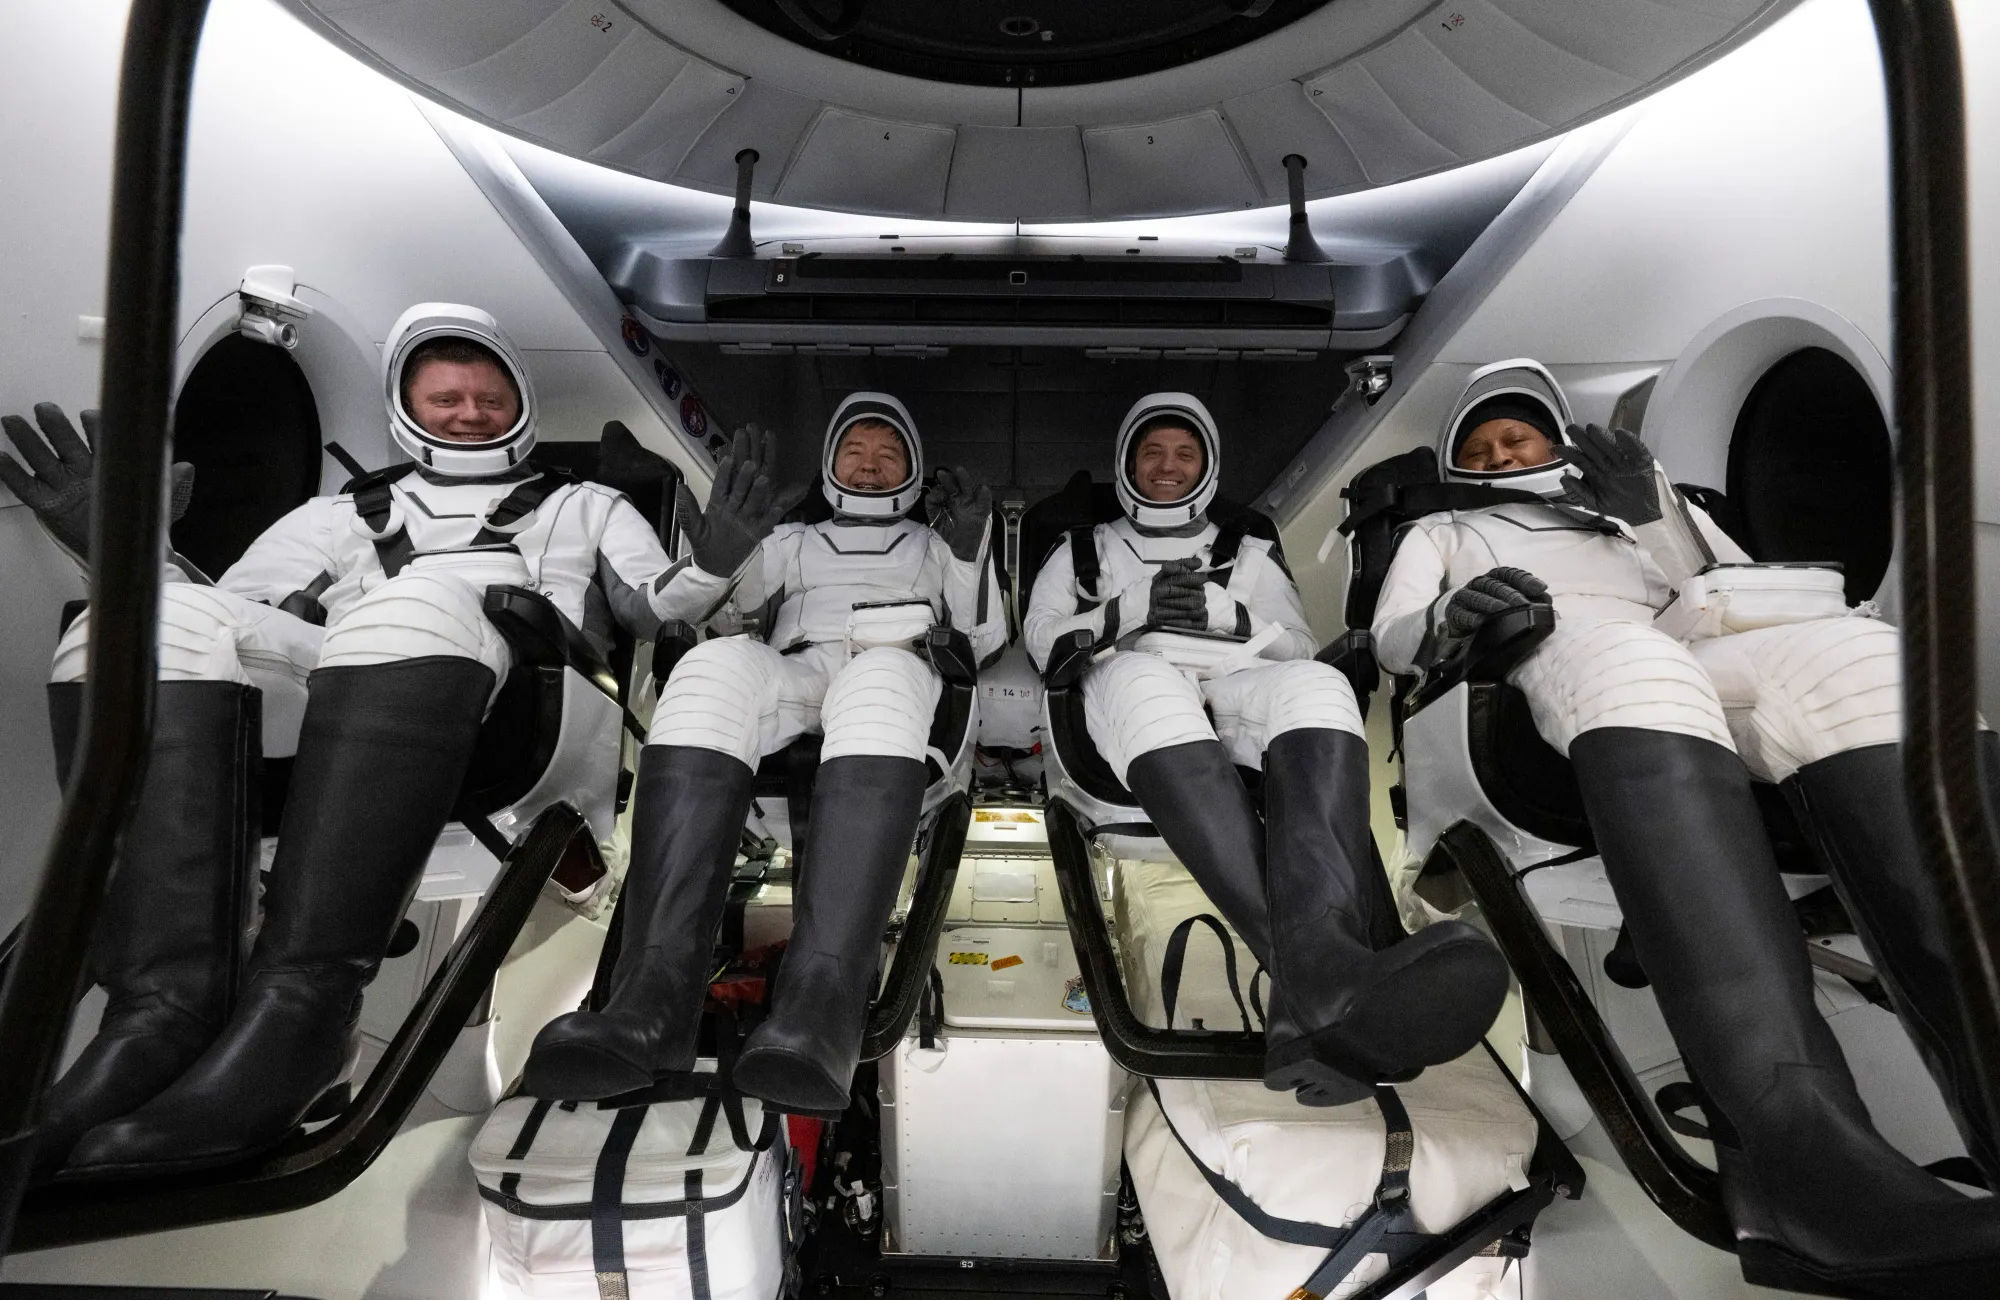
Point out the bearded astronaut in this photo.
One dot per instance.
(1353, 1000)
(1665, 737)
(850, 597)
(351, 636)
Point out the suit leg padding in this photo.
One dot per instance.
(416, 616)
(1136, 703)
(1807, 691)
(1613, 674)
(1254, 706)
(738, 697)
(880, 705)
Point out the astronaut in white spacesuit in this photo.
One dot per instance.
(350, 635)
(1354, 1000)
(844, 602)
(1665, 737)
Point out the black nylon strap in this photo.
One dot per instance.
(704, 1128)
(520, 503)
(510, 1184)
(1415, 500)
(697, 1236)
(373, 499)
(1084, 567)
(571, 1211)
(1175, 957)
(607, 1197)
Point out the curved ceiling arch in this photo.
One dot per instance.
(1370, 92)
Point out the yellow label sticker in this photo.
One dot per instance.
(968, 959)
(1002, 963)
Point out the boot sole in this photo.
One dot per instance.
(1766, 1264)
(789, 1082)
(580, 1072)
(1382, 1032)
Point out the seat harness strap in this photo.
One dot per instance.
(375, 499)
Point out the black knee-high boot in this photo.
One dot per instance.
(803, 1057)
(1343, 1015)
(382, 753)
(1854, 807)
(1818, 1199)
(687, 819)
(174, 921)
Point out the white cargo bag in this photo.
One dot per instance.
(1470, 1137)
(673, 1199)
(1725, 598)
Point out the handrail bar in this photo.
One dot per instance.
(1924, 80)
(127, 551)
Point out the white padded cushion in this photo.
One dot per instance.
(1474, 1135)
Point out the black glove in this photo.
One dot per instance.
(56, 482)
(743, 507)
(1617, 477)
(958, 509)
(1488, 596)
(1176, 598)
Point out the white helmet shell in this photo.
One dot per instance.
(1522, 381)
(428, 321)
(1167, 514)
(858, 503)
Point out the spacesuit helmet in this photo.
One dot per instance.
(1522, 390)
(1187, 411)
(429, 322)
(867, 503)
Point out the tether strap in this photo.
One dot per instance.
(1387, 1216)
(607, 1197)
(1176, 957)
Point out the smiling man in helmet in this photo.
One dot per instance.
(1350, 1005)
(844, 601)
(1665, 735)
(351, 637)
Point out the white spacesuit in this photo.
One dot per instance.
(1664, 735)
(840, 606)
(353, 628)
(1173, 718)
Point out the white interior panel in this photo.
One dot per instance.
(1280, 120)
(763, 118)
(616, 93)
(555, 58)
(1127, 162)
(655, 144)
(423, 38)
(1638, 39)
(1543, 79)
(862, 163)
(1442, 101)
(1387, 144)
(1033, 173)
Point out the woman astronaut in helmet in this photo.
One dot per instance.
(1665, 738)
(850, 596)
(351, 636)
(1354, 1001)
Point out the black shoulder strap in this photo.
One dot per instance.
(374, 497)
(520, 503)
(1412, 501)
(1084, 566)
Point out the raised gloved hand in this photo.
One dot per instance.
(1617, 471)
(743, 506)
(1485, 598)
(959, 508)
(55, 484)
